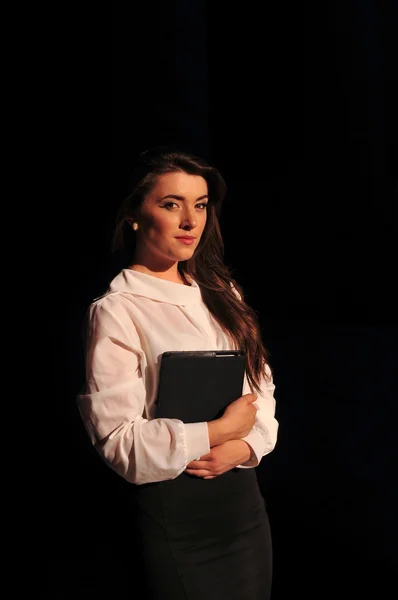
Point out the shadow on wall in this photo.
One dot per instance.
(329, 484)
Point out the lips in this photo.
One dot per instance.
(186, 239)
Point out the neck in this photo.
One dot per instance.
(171, 274)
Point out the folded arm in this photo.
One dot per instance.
(113, 403)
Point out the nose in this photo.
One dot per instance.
(188, 220)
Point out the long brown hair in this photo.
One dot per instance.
(222, 295)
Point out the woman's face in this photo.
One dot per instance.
(171, 220)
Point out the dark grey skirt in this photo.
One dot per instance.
(205, 539)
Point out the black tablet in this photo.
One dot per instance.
(196, 386)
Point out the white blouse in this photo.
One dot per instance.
(139, 318)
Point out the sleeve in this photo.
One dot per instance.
(113, 401)
(263, 436)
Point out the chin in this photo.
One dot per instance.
(185, 255)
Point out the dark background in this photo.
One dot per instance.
(297, 105)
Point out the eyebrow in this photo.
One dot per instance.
(177, 197)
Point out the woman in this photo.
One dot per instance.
(199, 512)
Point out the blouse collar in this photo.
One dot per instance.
(149, 286)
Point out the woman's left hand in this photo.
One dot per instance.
(220, 459)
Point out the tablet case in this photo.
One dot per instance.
(196, 386)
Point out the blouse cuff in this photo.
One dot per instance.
(256, 441)
(197, 442)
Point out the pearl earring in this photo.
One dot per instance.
(135, 226)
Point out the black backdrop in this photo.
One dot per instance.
(297, 106)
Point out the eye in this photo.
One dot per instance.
(170, 205)
(201, 205)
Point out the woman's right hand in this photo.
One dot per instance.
(236, 422)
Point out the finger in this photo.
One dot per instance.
(197, 464)
(199, 473)
(250, 397)
(204, 457)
